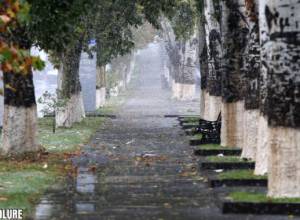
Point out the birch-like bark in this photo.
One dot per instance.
(212, 96)
(252, 72)
(262, 151)
(234, 32)
(283, 97)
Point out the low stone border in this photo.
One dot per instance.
(215, 152)
(196, 142)
(237, 182)
(227, 165)
(262, 208)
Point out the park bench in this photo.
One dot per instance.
(210, 130)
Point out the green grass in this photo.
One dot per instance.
(197, 137)
(191, 120)
(70, 139)
(224, 159)
(239, 174)
(214, 147)
(19, 189)
(259, 198)
(22, 183)
(190, 123)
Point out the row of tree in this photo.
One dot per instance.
(62, 28)
(248, 51)
(180, 35)
(250, 67)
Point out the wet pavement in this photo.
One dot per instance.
(140, 165)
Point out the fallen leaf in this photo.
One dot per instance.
(167, 205)
(92, 168)
(3, 198)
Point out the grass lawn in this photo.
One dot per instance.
(191, 120)
(259, 198)
(193, 123)
(240, 174)
(197, 137)
(224, 159)
(65, 140)
(214, 147)
(22, 183)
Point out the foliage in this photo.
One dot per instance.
(14, 57)
(200, 6)
(57, 24)
(185, 19)
(112, 28)
(143, 35)
(51, 104)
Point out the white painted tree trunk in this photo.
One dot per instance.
(72, 112)
(172, 51)
(251, 68)
(69, 87)
(232, 134)
(19, 134)
(262, 151)
(212, 107)
(284, 171)
(283, 108)
(250, 133)
(100, 87)
(212, 96)
(189, 65)
(233, 38)
(184, 92)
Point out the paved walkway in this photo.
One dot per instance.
(139, 166)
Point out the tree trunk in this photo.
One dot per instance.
(190, 61)
(178, 61)
(203, 59)
(212, 96)
(19, 134)
(262, 152)
(283, 99)
(234, 33)
(252, 72)
(69, 88)
(172, 49)
(100, 86)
